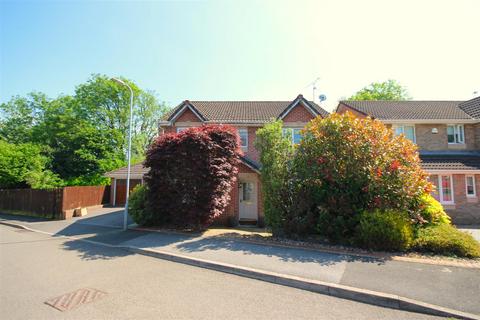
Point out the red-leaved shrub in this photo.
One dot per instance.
(191, 176)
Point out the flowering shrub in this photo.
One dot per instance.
(191, 175)
(347, 165)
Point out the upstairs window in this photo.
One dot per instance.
(470, 186)
(243, 133)
(407, 130)
(455, 133)
(293, 134)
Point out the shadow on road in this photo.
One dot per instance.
(282, 253)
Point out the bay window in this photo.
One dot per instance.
(445, 189)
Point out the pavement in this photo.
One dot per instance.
(451, 287)
(37, 267)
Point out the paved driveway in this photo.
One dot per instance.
(474, 230)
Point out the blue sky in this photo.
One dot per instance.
(244, 50)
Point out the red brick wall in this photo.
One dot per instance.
(188, 116)
(298, 114)
(466, 210)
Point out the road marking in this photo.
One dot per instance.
(75, 298)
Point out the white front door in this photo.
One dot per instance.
(247, 195)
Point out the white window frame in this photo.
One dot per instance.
(440, 189)
(292, 133)
(395, 126)
(246, 131)
(474, 186)
(180, 129)
(456, 128)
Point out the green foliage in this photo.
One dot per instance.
(447, 240)
(275, 153)
(84, 135)
(432, 211)
(137, 205)
(345, 165)
(19, 115)
(387, 90)
(23, 165)
(384, 230)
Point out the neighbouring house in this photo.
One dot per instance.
(246, 204)
(448, 136)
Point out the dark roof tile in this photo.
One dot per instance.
(243, 111)
(471, 107)
(410, 110)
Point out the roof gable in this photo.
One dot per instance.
(250, 112)
(299, 101)
(183, 107)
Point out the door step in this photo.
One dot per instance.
(247, 222)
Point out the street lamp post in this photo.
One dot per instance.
(129, 151)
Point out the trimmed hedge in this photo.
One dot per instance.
(447, 240)
(384, 230)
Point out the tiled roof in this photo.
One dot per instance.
(413, 110)
(471, 107)
(136, 169)
(446, 162)
(139, 169)
(243, 111)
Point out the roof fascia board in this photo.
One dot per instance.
(428, 121)
(452, 171)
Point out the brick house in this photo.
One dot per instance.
(448, 136)
(246, 204)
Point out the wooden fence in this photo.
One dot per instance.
(53, 203)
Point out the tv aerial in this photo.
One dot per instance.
(314, 85)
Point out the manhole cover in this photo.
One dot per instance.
(73, 299)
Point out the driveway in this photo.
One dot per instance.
(474, 230)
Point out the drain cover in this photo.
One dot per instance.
(73, 299)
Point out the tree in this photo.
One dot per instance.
(106, 104)
(83, 135)
(19, 115)
(23, 165)
(276, 151)
(191, 176)
(80, 153)
(387, 90)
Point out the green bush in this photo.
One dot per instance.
(447, 240)
(432, 211)
(384, 230)
(137, 205)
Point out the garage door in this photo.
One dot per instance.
(122, 188)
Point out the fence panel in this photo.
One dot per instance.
(85, 196)
(52, 203)
(46, 203)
